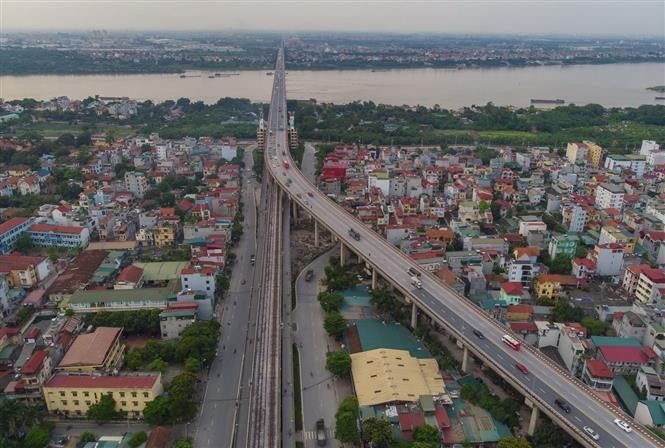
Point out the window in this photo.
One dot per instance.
(87, 402)
(123, 403)
(75, 394)
(135, 403)
(62, 393)
(122, 394)
(86, 394)
(145, 394)
(64, 402)
(76, 402)
(134, 394)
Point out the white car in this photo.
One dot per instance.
(593, 434)
(623, 425)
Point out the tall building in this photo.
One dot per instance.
(293, 133)
(10, 230)
(261, 134)
(136, 182)
(609, 196)
(576, 152)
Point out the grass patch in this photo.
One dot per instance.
(297, 399)
(300, 444)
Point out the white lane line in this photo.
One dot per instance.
(577, 418)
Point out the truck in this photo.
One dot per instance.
(354, 234)
(320, 433)
(415, 281)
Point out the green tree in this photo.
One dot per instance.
(183, 443)
(427, 434)
(513, 442)
(338, 363)
(561, 265)
(134, 360)
(334, 324)
(346, 421)
(37, 437)
(156, 412)
(192, 364)
(138, 439)
(595, 327)
(24, 243)
(384, 302)
(86, 437)
(182, 391)
(482, 206)
(330, 301)
(547, 435)
(158, 365)
(564, 312)
(103, 410)
(53, 254)
(378, 432)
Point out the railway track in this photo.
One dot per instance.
(264, 428)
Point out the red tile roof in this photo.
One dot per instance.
(589, 264)
(640, 355)
(521, 327)
(55, 229)
(182, 305)
(102, 382)
(130, 274)
(33, 333)
(520, 309)
(599, 369)
(91, 348)
(408, 421)
(34, 363)
(11, 223)
(512, 288)
(442, 417)
(655, 275)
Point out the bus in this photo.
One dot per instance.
(511, 342)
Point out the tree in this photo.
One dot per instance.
(346, 421)
(330, 301)
(427, 434)
(384, 301)
(564, 312)
(183, 443)
(103, 410)
(594, 326)
(156, 412)
(181, 404)
(23, 243)
(547, 434)
(334, 324)
(338, 363)
(482, 206)
(86, 437)
(134, 360)
(561, 265)
(192, 364)
(513, 442)
(53, 254)
(158, 365)
(138, 439)
(37, 437)
(378, 432)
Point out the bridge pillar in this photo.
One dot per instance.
(342, 254)
(465, 360)
(375, 278)
(533, 421)
(294, 208)
(414, 315)
(316, 233)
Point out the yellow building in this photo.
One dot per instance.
(549, 286)
(611, 234)
(72, 395)
(594, 153)
(386, 376)
(165, 233)
(99, 351)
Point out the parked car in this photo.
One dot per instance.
(623, 425)
(309, 275)
(563, 405)
(593, 434)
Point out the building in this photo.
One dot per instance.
(597, 375)
(608, 259)
(511, 293)
(72, 395)
(650, 285)
(650, 383)
(131, 277)
(565, 244)
(609, 196)
(384, 376)
(571, 348)
(653, 243)
(23, 271)
(583, 268)
(629, 325)
(575, 217)
(523, 267)
(594, 153)
(199, 279)
(619, 162)
(166, 233)
(623, 360)
(529, 224)
(550, 286)
(576, 152)
(173, 321)
(50, 235)
(136, 182)
(95, 300)
(10, 230)
(99, 351)
(33, 374)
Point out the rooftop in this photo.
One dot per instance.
(91, 348)
(102, 381)
(11, 224)
(162, 271)
(598, 369)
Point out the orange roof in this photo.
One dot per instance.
(55, 229)
(142, 381)
(91, 348)
(531, 251)
(130, 274)
(556, 278)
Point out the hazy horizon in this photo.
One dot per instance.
(555, 18)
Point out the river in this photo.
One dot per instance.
(609, 85)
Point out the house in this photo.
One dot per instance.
(629, 325)
(173, 320)
(72, 395)
(99, 351)
(650, 285)
(529, 224)
(609, 196)
(650, 383)
(550, 286)
(571, 348)
(33, 374)
(131, 277)
(199, 279)
(608, 258)
(523, 266)
(631, 276)
(653, 243)
(511, 293)
(24, 271)
(626, 360)
(597, 375)
(583, 268)
(519, 313)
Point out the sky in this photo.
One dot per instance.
(563, 17)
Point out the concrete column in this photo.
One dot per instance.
(342, 254)
(294, 208)
(316, 233)
(465, 360)
(535, 414)
(375, 278)
(414, 315)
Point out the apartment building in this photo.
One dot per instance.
(631, 276)
(608, 258)
(198, 278)
(650, 285)
(136, 182)
(609, 196)
(72, 395)
(619, 162)
(173, 321)
(576, 152)
(565, 244)
(24, 271)
(49, 235)
(10, 230)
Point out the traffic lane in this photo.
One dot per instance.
(582, 412)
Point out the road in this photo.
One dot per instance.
(308, 165)
(219, 413)
(321, 393)
(288, 411)
(546, 381)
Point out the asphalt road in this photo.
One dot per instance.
(546, 380)
(219, 413)
(321, 393)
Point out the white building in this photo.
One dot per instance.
(49, 235)
(380, 181)
(608, 258)
(609, 196)
(576, 152)
(575, 216)
(648, 146)
(199, 279)
(136, 182)
(531, 224)
(649, 285)
(571, 350)
(618, 162)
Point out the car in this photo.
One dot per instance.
(242, 282)
(593, 434)
(623, 425)
(563, 405)
(522, 368)
(309, 275)
(310, 194)
(479, 334)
